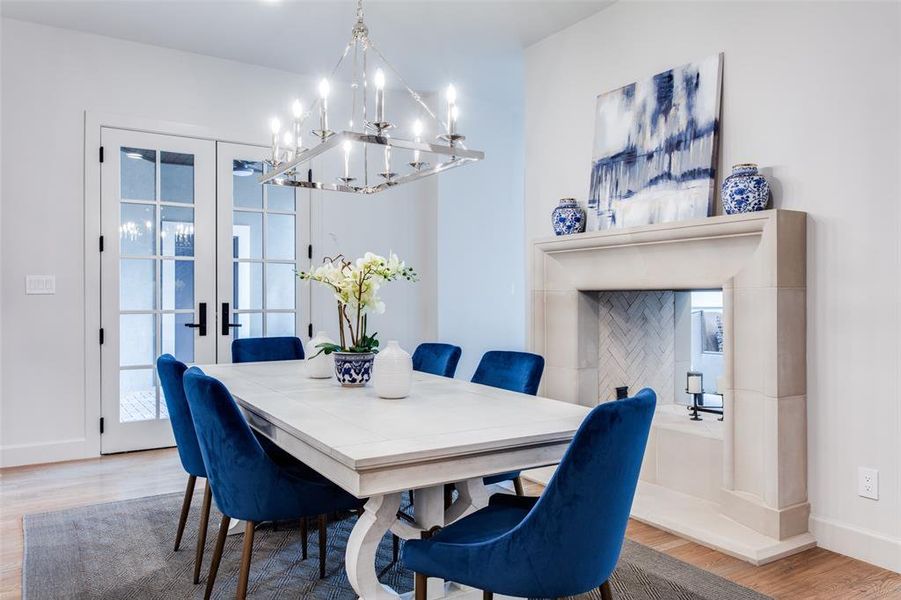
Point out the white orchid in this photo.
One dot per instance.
(355, 286)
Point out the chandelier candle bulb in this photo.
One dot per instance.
(451, 104)
(417, 133)
(275, 126)
(455, 114)
(324, 89)
(347, 148)
(288, 142)
(379, 96)
(297, 111)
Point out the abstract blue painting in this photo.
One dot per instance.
(655, 144)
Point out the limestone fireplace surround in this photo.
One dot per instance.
(759, 260)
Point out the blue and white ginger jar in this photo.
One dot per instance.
(745, 190)
(353, 369)
(568, 217)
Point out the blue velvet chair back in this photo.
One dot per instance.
(247, 483)
(514, 371)
(266, 349)
(437, 359)
(171, 372)
(575, 531)
(234, 459)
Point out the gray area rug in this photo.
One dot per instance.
(124, 550)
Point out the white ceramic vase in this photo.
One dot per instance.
(322, 366)
(392, 373)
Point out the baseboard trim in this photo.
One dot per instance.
(863, 544)
(38, 453)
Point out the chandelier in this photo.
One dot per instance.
(367, 144)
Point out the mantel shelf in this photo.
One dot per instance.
(717, 226)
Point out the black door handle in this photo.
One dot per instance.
(226, 326)
(201, 325)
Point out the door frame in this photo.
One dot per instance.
(93, 122)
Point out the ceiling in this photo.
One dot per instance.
(429, 41)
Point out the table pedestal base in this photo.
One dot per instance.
(380, 516)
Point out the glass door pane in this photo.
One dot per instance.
(157, 192)
(261, 253)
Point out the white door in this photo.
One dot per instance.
(263, 239)
(158, 275)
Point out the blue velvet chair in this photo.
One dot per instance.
(266, 349)
(171, 372)
(437, 359)
(564, 543)
(247, 483)
(514, 371)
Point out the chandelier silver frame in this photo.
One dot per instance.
(285, 167)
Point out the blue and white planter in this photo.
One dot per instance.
(745, 190)
(353, 369)
(568, 217)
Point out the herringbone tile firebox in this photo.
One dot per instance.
(636, 342)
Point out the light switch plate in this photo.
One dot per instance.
(40, 284)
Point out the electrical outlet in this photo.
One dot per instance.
(868, 483)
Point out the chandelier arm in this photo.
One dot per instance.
(355, 83)
(413, 94)
(366, 46)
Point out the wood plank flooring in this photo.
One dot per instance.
(812, 575)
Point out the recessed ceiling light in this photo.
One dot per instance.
(134, 154)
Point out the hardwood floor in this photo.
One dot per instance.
(814, 574)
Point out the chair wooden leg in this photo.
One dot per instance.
(217, 556)
(244, 574)
(304, 532)
(323, 524)
(606, 592)
(487, 595)
(517, 485)
(420, 583)
(395, 548)
(185, 507)
(201, 532)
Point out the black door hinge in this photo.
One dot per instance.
(310, 251)
(309, 175)
(101, 153)
(101, 335)
(101, 424)
(101, 243)
(310, 330)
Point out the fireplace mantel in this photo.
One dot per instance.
(759, 260)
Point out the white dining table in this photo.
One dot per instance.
(445, 431)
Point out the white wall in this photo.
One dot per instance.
(811, 92)
(50, 77)
(481, 264)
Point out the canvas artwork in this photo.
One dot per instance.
(712, 334)
(655, 142)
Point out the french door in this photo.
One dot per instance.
(158, 278)
(196, 253)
